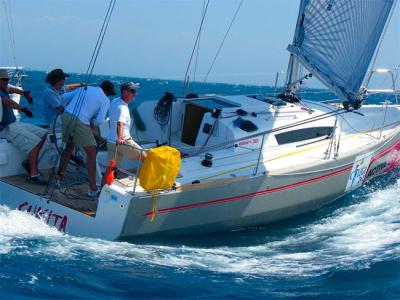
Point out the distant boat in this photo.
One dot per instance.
(246, 160)
(16, 72)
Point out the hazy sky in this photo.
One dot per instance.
(154, 38)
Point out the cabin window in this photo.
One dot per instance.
(302, 134)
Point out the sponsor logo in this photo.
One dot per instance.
(391, 162)
(358, 172)
(377, 170)
(357, 175)
(51, 217)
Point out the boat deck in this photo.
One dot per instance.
(72, 193)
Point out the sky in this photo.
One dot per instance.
(154, 38)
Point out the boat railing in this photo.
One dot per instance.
(329, 114)
(134, 175)
(386, 103)
(393, 90)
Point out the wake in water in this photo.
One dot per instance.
(352, 237)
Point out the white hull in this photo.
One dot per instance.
(292, 178)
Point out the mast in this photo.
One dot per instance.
(293, 69)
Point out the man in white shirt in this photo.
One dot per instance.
(120, 126)
(85, 112)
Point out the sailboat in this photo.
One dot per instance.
(247, 160)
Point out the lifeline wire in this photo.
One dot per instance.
(302, 122)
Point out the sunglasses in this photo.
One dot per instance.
(5, 79)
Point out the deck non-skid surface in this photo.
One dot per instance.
(72, 192)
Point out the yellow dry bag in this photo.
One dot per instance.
(160, 168)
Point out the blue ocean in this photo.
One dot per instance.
(347, 250)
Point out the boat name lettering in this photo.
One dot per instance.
(249, 141)
(51, 217)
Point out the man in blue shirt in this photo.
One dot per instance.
(26, 137)
(55, 96)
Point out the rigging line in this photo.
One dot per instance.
(92, 63)
(343, 118)
(10, 30)
(198, 45)
(12, 33)
(223, 41)
(95, 54)
(194, 47)
(101, 37)
(11, 22)
(93, 60)
(97, 42)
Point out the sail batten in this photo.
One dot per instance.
(336, 40)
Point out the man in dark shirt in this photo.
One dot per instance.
(26, 137)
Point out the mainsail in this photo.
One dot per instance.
(336, 40)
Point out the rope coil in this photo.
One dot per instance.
(162, 111)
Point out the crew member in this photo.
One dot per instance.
(55, 97)
(26, 137)
(120, 126)
(85, 112)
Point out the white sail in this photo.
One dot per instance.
(336, 40)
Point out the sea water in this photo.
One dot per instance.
(349, 249)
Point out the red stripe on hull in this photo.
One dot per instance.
(255, 194)
(388, 150)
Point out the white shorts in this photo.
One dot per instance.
(24, 136)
